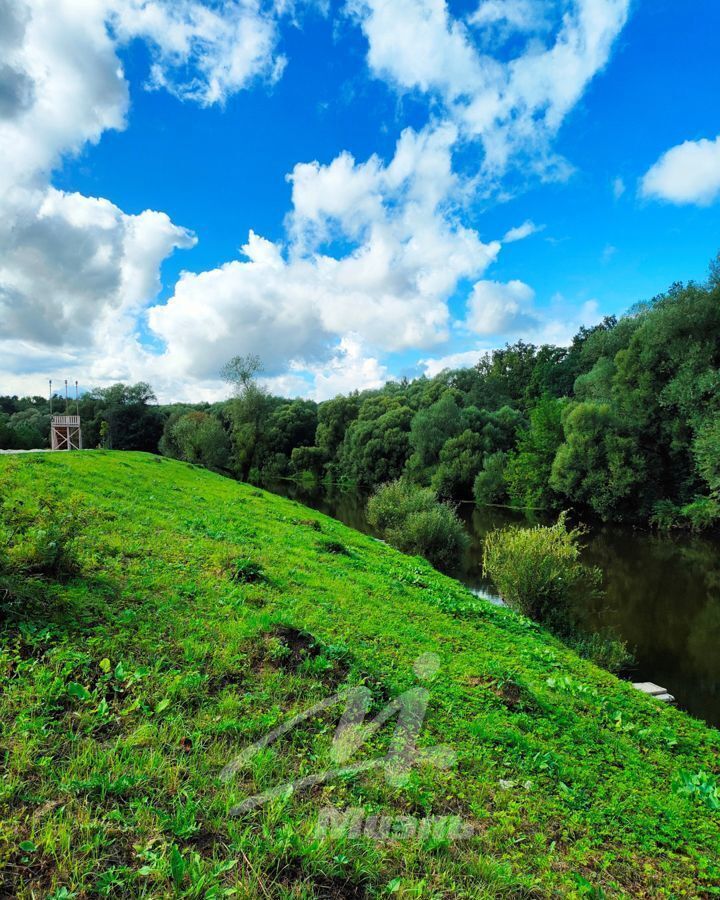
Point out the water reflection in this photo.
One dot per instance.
(662, 593)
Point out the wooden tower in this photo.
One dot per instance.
(66, 431)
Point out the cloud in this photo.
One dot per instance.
(62, 85)
(495, 307)
(465, 359)
(618, 188)
(688, 173)
(404, 255)
(374, 249)
(514, 15)
(77, 273)
(69, 264)
(609, 252)
(527, 229)
(199, 52)
(349, 369)
(513, 104)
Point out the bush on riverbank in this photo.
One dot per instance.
(413, 520)
(538, 572)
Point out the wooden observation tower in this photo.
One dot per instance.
(66, 431)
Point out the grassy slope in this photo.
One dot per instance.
(106, 786)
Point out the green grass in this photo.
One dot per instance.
(206, 612)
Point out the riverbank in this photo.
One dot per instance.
(204, 613)
(662, 591)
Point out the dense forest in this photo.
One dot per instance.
(622, 426)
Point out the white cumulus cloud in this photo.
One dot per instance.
(688, 173)
(495, 307)
(404, 255)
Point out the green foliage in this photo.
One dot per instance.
(701, 786)
(538, 571)
(430, 429)
(491, 484)
(460, 461)
(414, 521)
(604, 648)
(702, 513)
(706, 449)
(528, 470)
(310, 460)
(198, 438)
(666, 515)
(376, 444)
(596, 467)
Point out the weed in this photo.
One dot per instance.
(247, 571)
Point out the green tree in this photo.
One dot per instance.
(201, 439)
(248, 409)
(429, 431)
(376, 445)
(706, 449)
(597, 466)
(461, 459)
(528, 470)
(491, 484)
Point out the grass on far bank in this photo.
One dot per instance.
(204, 613)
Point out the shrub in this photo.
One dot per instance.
(413, 520)
(703, 512)
(665, 515)
(602, 648)
(538, 571)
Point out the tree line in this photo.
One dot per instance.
(622, 426)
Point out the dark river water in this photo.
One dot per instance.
(662, 592)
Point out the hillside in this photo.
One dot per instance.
(205, 613)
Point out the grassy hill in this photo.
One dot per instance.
(204, 613)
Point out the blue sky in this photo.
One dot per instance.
(128, 205)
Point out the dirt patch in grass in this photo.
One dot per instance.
(308, 523)
(514, 697)
(321, 886)
(334, 547)
(28, 874)
(294, 650)
(233, 678)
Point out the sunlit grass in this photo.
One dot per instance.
(205, 613)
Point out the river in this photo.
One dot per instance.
(662, 592)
